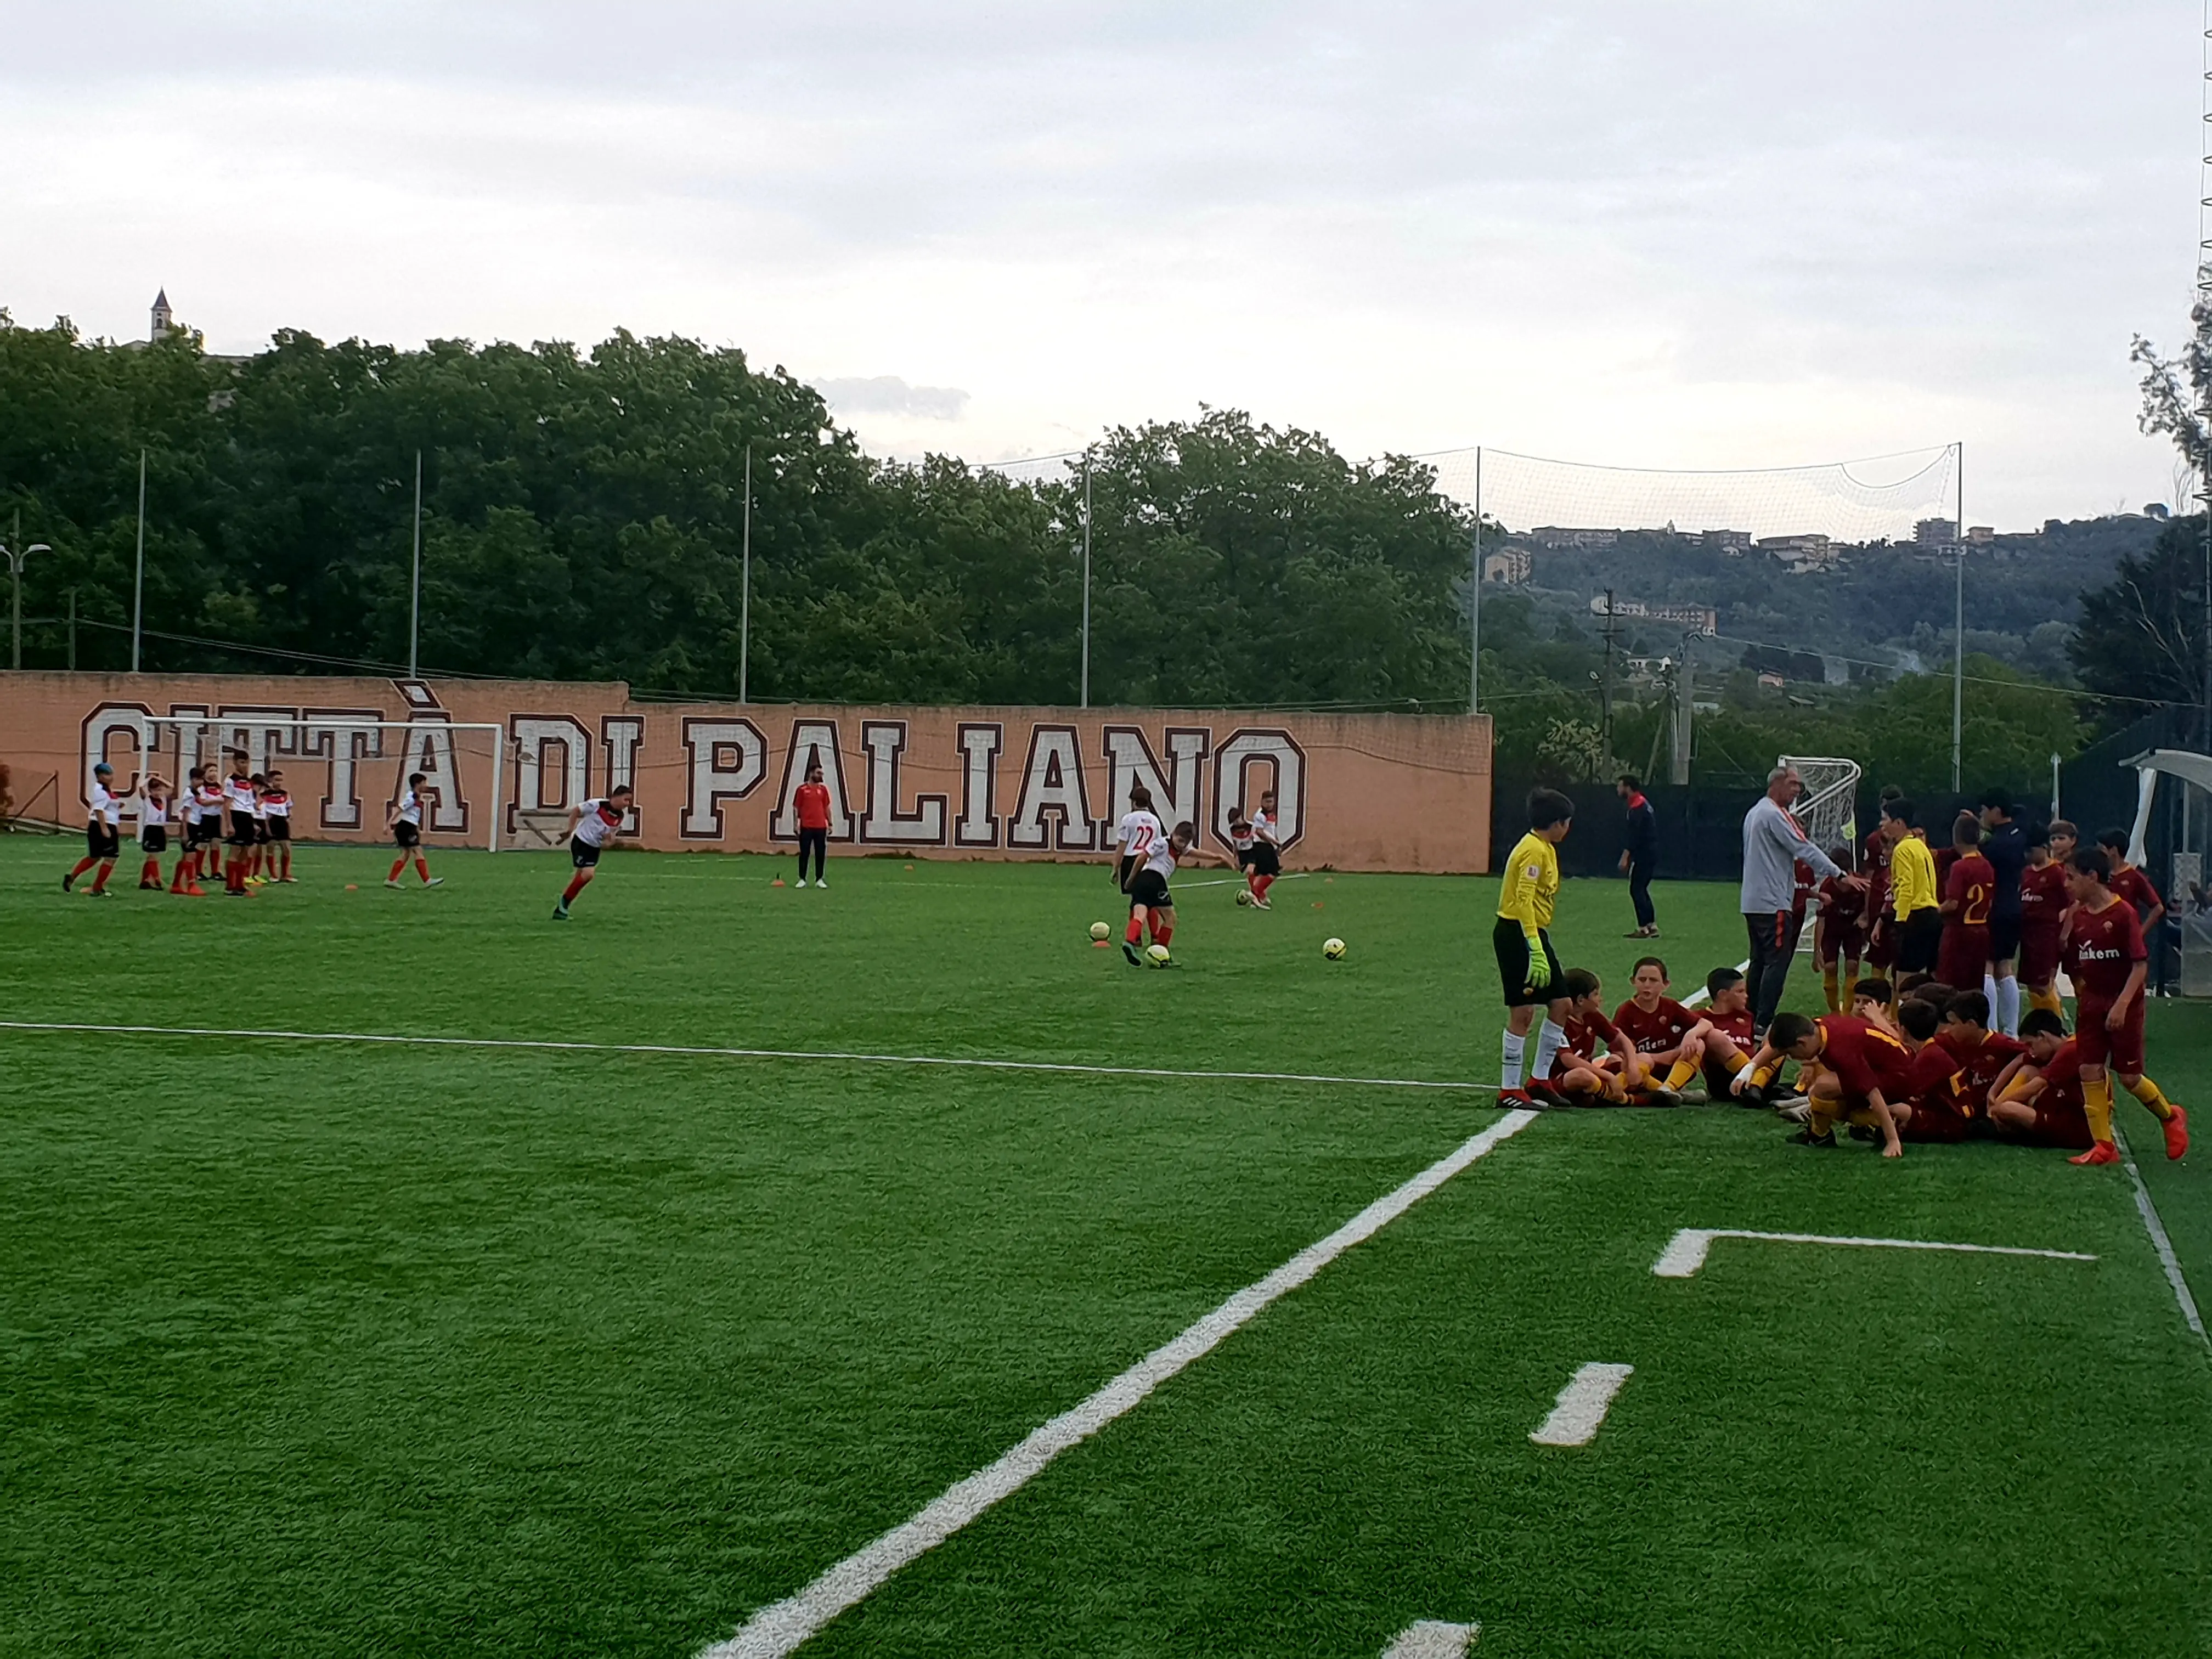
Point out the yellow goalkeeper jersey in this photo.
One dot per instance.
(1532, 885)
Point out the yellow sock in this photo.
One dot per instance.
(2017, 1089)
(1831, 989)
(1763, 1075)
(1683, 1071)
(1822, 1124)
(1735, 1060)
(2046, 997)
(2097, 1107)
(1616, 1089)
(2151, 1095)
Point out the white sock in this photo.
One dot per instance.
(1548, 1039)
(2008, 1005)
(1990, 990)
(1508, 1075)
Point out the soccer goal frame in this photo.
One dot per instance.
(215, 728)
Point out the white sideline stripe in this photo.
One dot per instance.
(1433, 1638)
(2158, 1241)
(562, 1046)
(1686, 1252)
(778, 1629)
(1583, 1405)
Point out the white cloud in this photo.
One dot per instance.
(1698, 233)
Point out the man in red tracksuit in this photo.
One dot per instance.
(812, 802)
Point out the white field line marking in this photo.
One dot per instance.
(1686, 1252)
(780, 1628)
(1433, 1638)
(682, 1049)
(1583, 1405)
(2159, 1242)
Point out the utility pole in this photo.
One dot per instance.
(72, 631)
(1605, 686)
(1958, 631)
(1474, 601)
(138, 582)
(16, 555)
(745, 587)
(1085, 691)
(415, 610)
(1685, 703)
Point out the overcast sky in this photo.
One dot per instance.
(1740, 233)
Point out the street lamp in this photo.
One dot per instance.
(15, 568)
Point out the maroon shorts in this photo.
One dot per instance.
(1964, 958)
(2061, 1122)
(2121, 1051)
(1842, 939)
(1882, 947)
(1938, 1121)
(2038, 955)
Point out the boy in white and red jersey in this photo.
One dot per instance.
(406, 826)
(1150, 902)
(1267, 863)
(103, 833)
(276, 816)
(202, 830)
(238, 827)
(153, 829)
(591, 825)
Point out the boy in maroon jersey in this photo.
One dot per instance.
(1592, 1065)
(2110, 964)
(2043, 902)
(2128, 882)
(1934, 1109)
(1874, 865)
(1840, 936)
(1730, 1040)
(1968, 889)
(1861, 1067)
(2038, 1101)
(1667, 1038)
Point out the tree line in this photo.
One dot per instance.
(584, 517)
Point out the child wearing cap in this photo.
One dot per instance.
(103, 833)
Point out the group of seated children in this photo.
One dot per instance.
(1915, 1061)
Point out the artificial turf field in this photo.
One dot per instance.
(325, 1347)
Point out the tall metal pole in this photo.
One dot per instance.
(1085, 691)
(1474, 602)
(1959, 630)
(138, 584)
(415, 610)
(745, 587)
(72, 631)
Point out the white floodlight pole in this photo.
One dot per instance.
(1086, 690)
(138, 583)
(1474, 601)
(1959, 627)
(415, 610)
(745, 587)
(15, 557)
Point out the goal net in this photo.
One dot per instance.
(1828, 808)
(344, 774)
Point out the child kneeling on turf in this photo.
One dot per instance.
(1594, 1062)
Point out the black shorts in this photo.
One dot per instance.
(2004, 939)
(1527, 983)
(103, 841)
(241, 829)
(582, 853)
(1244, 858)
(280, 828)
(154, 839)
(1150, 889)
(1266, 860)
(1920, 941)
(406, 834)
(260, 831)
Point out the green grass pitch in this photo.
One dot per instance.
(333, 1348)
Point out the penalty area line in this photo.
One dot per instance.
(558, 1045)
(783, 1626)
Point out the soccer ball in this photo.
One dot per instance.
(1244, 896)
(1332, 949)
(1100, 930)
(1158, 954)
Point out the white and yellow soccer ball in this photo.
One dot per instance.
(1100, 930)
(1332, 949)
(1157, 955)
(1244, 896)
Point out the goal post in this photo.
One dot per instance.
(352, 750)
(1828, 810)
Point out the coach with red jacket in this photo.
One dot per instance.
(1774, 845)
(1639, 852)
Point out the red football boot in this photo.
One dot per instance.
(2176, 1133)
(2102, 1152)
